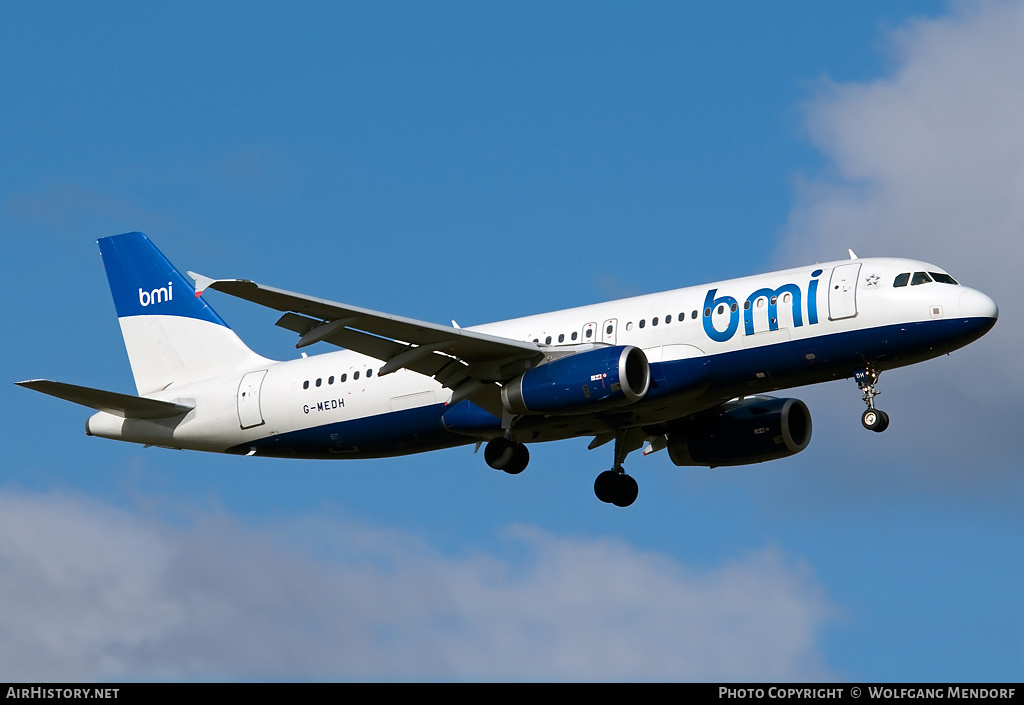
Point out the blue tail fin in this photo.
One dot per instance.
(173, 337)
(144, 282)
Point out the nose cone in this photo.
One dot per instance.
(974, 304)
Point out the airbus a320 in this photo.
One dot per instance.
(686, 371)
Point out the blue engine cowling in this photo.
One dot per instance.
(581, 383)
(751, 430)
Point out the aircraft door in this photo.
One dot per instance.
(249, 412)
(842, 292)
(608, 331)
(589, 333)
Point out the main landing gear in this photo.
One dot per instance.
(873, 419)
(612, 486)
(615, 486)
(508, 455)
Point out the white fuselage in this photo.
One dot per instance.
(752, 335)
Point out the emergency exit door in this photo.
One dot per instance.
(608, 331)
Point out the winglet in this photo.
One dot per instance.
(202, 282)
(656, 443)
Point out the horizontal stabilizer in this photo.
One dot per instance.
(124, 405)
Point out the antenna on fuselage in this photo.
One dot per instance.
(853, 255)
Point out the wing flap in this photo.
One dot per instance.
(297, 324)
(396, 340)
(123, 405)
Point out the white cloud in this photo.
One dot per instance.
(928, 162)
(91, 592)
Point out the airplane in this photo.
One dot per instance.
(685, 371)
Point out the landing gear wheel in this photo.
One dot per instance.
(614, 487)
(520, 459)
(875, 420)
(605, 485)
(627, 491)
(885, 421)
(498, 453)
(872, 419)
(503, 454)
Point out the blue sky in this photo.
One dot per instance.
(475, 162)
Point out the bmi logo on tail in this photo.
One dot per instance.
(156, 296)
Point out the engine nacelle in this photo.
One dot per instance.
(752, 430)
(588, 381)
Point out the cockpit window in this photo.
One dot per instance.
(943, 278)
(901, 279)
(920, 278)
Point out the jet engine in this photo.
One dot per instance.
(750, 430)
(581, 383)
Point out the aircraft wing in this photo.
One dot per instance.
(467, 362)
(123, 405)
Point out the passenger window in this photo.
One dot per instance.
(369, 372)
(344, 377)
(305, 385)
(355, 375)
(654, 321)
(561, 337)
(318, 381)
(746, 305)
(609, 330)
(330, 380)
(642, 322)
(920, 278)
(693, 315)
(547, 341)
(721, 309)
(901, 279)
(707, 312)
(668, 318)
(574, 335)
(629, 326)
(590, 332)
(733, 308)
(682, 317)
(943, 278)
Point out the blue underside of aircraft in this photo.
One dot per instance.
(700, 382)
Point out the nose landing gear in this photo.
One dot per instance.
(873, 419)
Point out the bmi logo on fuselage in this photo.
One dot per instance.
(711, 302)
(156, 296)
